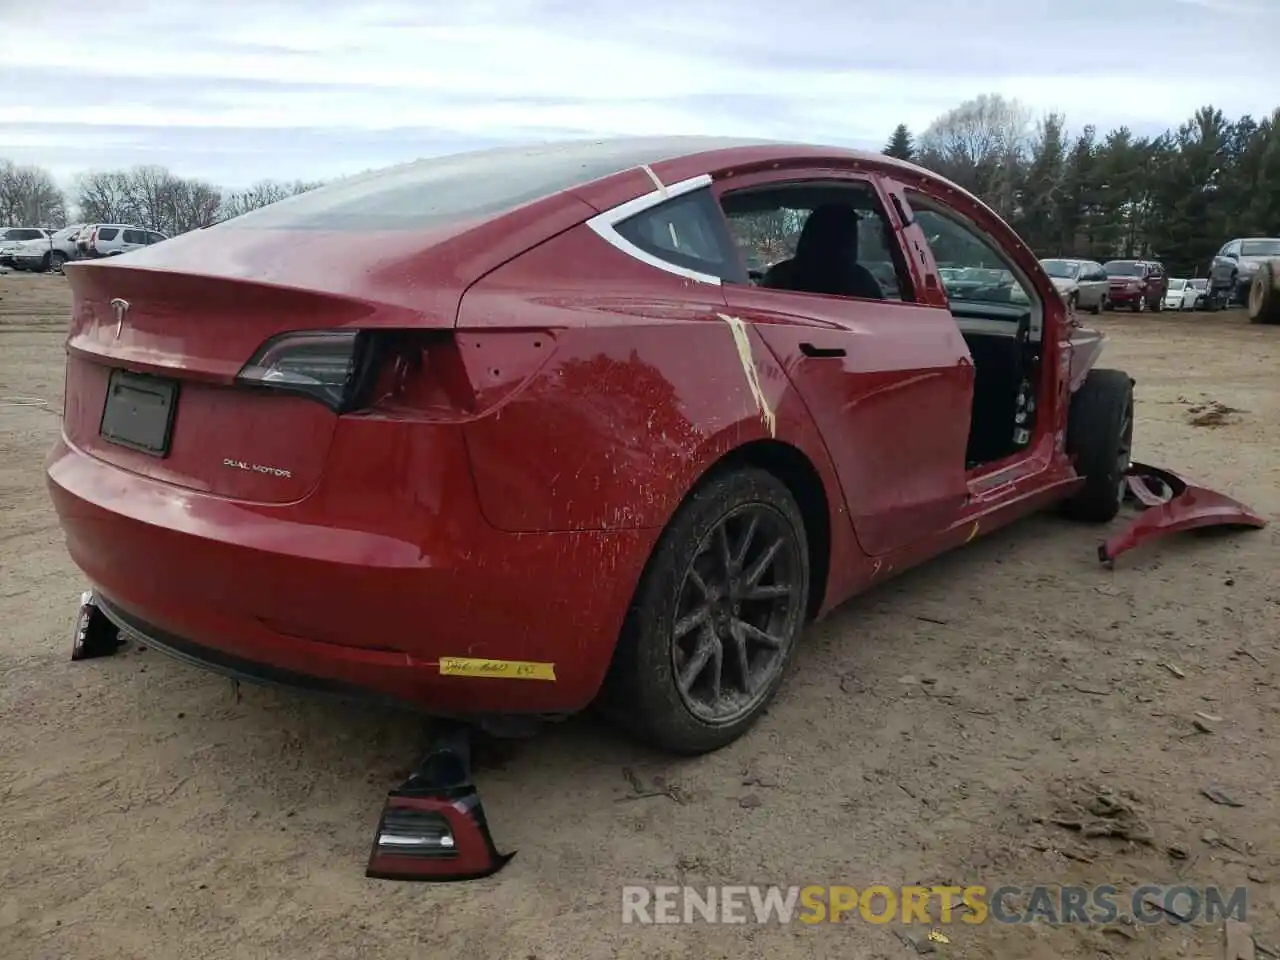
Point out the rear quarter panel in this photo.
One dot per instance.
(645, 389)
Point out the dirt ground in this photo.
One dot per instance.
(930, 733)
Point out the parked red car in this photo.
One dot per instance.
(1137, 284)
(508, 432)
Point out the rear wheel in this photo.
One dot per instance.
(716, 617)
(1100, 438)
(1139, 305)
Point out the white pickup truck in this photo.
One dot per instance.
(37, 249)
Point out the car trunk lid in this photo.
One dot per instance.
(153, 359)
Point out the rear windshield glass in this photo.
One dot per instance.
(1122, 268)
(107, 233)
(1061, 269)
(456, 188)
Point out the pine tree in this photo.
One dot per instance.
(900, 145)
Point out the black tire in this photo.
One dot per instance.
(1139, 305)
(1100, 438)
(1264, 294)
(57, 259)
(1096, 309)
(641, 692)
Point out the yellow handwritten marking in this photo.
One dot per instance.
(743, 344)
(972, 533)
(498, 669)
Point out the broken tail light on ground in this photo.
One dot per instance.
(1171, 504)
(433, 826)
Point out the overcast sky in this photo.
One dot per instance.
(237, 90)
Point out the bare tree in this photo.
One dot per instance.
(105, 197)
(195, 205)
(981, 145)
(29, 197)
(262, 194)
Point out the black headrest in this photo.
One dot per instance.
(830, 230)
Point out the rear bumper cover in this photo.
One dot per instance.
(273, 593)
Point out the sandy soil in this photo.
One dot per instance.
(147, 812)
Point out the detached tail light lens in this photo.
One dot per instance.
(433, 827)
(326, 365)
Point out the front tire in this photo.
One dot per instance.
(57, 260)
(716, 618)
(1100, 438)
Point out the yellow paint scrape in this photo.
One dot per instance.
(743, 343)
(496, 669)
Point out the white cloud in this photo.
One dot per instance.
(137, 76)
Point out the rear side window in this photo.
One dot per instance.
(687, 231)
(107, 233)
(767, 224)
(154, 237)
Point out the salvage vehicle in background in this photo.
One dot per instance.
(113, 239)
(1136, 284)
(25, 248)
(1201, 286)
(63, 246)
(1180, 295)
(505, 434)
(1082, 283)
(1233, 267)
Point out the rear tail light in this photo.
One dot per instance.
(325, 365)
(431, 374)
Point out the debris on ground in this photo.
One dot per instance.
(1211, 413)
(1220, 796)
(641, 791)
(1175, 670)
(1103, 812)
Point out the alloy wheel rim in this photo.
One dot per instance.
(735, 614)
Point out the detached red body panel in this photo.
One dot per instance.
(1174, 505)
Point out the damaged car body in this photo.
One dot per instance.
(515, 432)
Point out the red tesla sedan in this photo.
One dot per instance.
(506, 432)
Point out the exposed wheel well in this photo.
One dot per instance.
(795, 470)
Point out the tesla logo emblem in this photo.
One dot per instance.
(121, 308)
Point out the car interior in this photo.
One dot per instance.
(843, 246)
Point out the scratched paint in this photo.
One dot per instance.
(745, 357)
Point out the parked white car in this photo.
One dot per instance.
(25, 248)
(1181, 295)
(113, 239)
(1082, 283)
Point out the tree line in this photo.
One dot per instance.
(149, 196)
(1176, 197)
